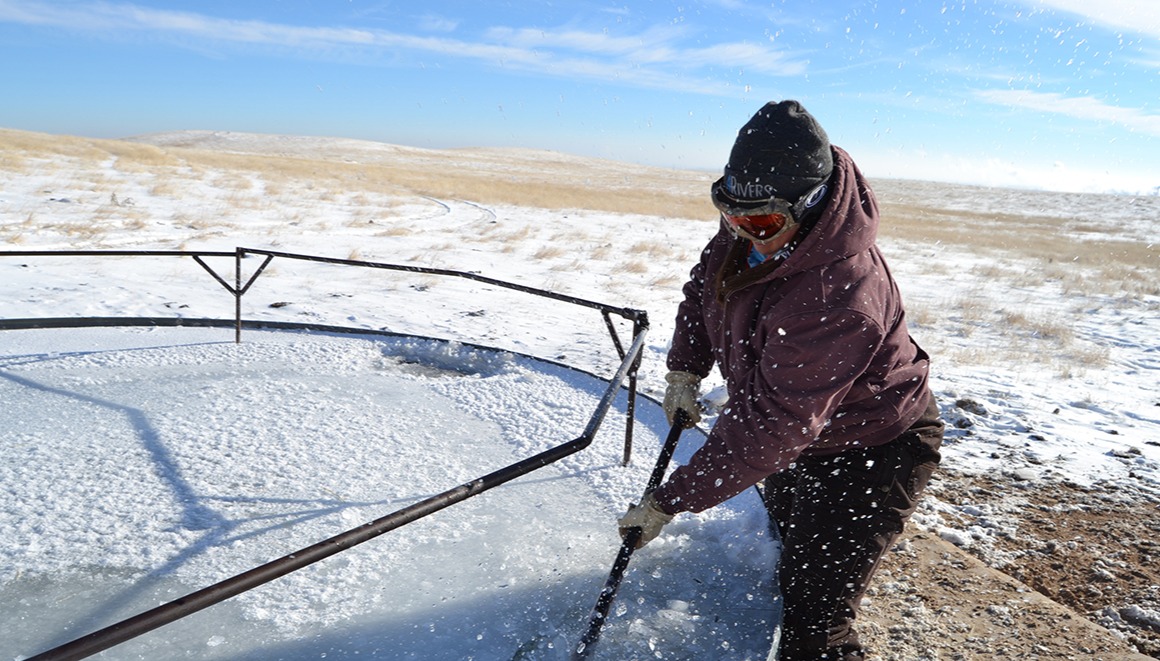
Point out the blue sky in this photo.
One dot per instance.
(1061, 94)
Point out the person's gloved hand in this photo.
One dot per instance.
(647, 516)
(682, 393)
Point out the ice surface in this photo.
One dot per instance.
(142, 464)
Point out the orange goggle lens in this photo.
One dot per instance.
(760, 227)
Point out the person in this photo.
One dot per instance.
(829, 408)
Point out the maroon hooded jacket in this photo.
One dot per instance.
(814, 349)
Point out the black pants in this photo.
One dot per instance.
(837, 516)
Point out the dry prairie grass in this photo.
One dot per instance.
(41, 144)
(535, 180)
(552, 181)
(1016, 251)
(514, 236)
(137, 157)
(12, 161)
(667, 281)
(85, 231)
(1027, 253)
(972, 310)
(1019, 236)
(601, 251)
(1087, 356)
(1052, 328)
(199, 223)
(549, 252)
(652, 249)
(507, 178)
(633, 266)
(166, 188)
(918, 315)
(574, 266)
(397, 230)
(234, 182)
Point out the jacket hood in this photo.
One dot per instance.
(847, 226)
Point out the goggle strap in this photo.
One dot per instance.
(773, 205)
(809, 200)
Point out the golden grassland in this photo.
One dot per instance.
(1012, 250)
(524, 178)
(1021, 252)
(1031, 238)
(515, 177)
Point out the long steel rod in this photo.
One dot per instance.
(238, 290)
(115, 253)
(620, 564)
(627, 313)
(238, 293)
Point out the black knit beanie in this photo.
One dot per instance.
(781, 151)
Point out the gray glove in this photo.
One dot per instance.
(647, 516)
(682, 393)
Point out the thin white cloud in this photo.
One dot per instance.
(109, 18)
(731, 5)
(655, 46)
(653, 59)
(1138, 16)
(580, 40)
(750, 57)
(436, 23)
(1148, 57)
(1078, 107)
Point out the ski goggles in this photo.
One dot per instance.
(762, 221)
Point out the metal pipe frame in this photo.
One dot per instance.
(142, 623)
(639, 318)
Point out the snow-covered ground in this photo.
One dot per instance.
(141, 464)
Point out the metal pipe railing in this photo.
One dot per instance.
(189, 604)
(237, 289)
(196, 601)
(627, 313)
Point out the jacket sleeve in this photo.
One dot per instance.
(690, 350)
(808, 363)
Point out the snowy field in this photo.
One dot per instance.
(140, 464)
